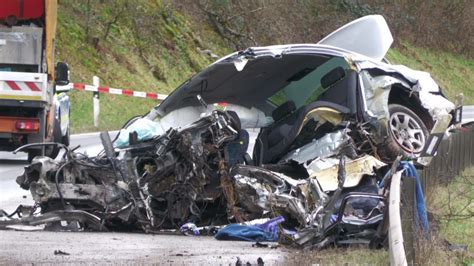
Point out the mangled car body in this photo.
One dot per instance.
(330, 121)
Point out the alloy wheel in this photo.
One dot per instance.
(407, 132)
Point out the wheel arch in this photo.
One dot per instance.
(401, 95)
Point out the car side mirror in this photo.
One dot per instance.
(62, 74)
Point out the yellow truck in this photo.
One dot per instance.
(33, 109)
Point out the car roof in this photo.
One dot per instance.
(209, 83)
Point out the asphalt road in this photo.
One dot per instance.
(38, 247)
(127, 248)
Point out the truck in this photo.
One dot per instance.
(34, 106)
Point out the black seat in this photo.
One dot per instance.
(340, 88)
(282, 117)
(273, 142)
(340, 94)
(236, 150)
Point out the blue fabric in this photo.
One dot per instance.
(382, 182)
(271, 227)
(243, 233)
(267, 231)
(422, 216)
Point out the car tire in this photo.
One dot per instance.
(407, 134)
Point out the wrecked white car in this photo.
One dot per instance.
(281, 88)
(330, 117)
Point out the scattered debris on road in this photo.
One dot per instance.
(60, 252)
(332, 132)
(264, 245)
(193, 180)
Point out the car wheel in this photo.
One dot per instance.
(407, 133)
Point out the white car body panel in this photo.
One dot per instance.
(369, 36)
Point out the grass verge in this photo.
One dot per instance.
(452, 206)
(453, 73)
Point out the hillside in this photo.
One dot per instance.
(154, 46)
(153, 55)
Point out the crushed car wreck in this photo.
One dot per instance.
(331, 122)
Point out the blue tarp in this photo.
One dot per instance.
(266, 232)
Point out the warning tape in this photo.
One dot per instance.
(141, 94)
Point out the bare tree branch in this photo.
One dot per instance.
(114, 20)
(225, 25)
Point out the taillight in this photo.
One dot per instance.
(27, 125)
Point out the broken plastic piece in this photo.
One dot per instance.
(189, 229)
(240, 63)
(355, 169)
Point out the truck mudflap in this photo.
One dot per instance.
(24, 86)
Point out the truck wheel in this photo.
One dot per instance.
(53, 151)
(67, 138)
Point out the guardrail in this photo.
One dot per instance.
(453, 156)
(467, 114)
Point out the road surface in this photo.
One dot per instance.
(17, 247)
(128, 248)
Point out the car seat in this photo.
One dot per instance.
(236, 150)
(274, 141)
(340, 95)
(340, 88)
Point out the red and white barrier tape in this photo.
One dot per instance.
(151, 95)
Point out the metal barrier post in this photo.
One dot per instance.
(96, 101)
(408, 217)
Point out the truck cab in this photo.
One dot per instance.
(32, 109)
